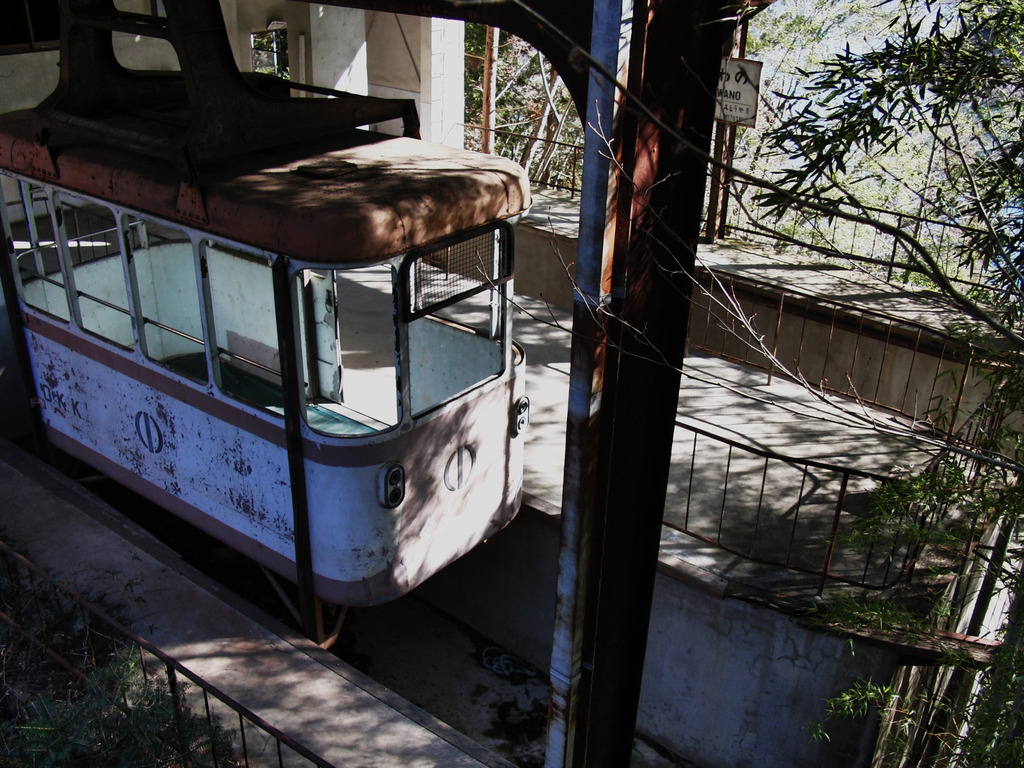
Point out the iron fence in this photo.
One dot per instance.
(796, 514)
(46, 610)
(856, 241)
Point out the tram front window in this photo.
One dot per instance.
(456, 295)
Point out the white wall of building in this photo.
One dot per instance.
(338, 49)
(420, 59)
(379, 54)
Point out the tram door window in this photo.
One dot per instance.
(243, 325)
(351, 374)
(163, 281)
(457, 308)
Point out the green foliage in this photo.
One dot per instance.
(910, 509)
(900, 714)
(909, 137)
(123, 720)
(944, 83)
(995, 737)
(536, 123)
(88, 702)
(270, 52)
(859, 699)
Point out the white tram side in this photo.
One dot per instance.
(322, 353)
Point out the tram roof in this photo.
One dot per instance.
(360, 199)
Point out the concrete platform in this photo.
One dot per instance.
(329, 707)
(793, 494)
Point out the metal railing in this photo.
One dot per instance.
(855, 241)
(216, 746)
(784, 512)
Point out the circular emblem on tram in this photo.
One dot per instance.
(148, 430)
(459, 468)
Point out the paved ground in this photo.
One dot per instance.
(779, 508)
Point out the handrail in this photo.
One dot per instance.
(575, 151)
(853, 370)
(867, 256)
(821, 515)
(173, 668)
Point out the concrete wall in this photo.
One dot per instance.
(861, 354)
(422, 59)
(545, 264)
(727, 684)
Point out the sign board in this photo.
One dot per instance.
(738, 86)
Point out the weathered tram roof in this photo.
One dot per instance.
(359, 198)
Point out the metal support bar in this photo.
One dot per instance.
(206, 112)
(294, 403)
(569, 669)
(827, 565)
(675, 55)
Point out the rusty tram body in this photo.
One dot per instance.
(302, 348)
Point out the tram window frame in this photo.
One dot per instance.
(457, 329)
(36, 260)
(164, 284)
(94, 268)
(245, 355)
(72, 265)
(268, 49)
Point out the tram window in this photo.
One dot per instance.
(164, 275)
(30, 26)
(349, 331)
(36, 257)
(244, 325)
(457, 307)
(270, 51)
(94, 252)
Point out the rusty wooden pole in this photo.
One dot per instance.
(676, 58)
(724, 148)
(569, 671)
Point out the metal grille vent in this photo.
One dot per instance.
(452, 270)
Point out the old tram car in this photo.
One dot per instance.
(306, 354)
